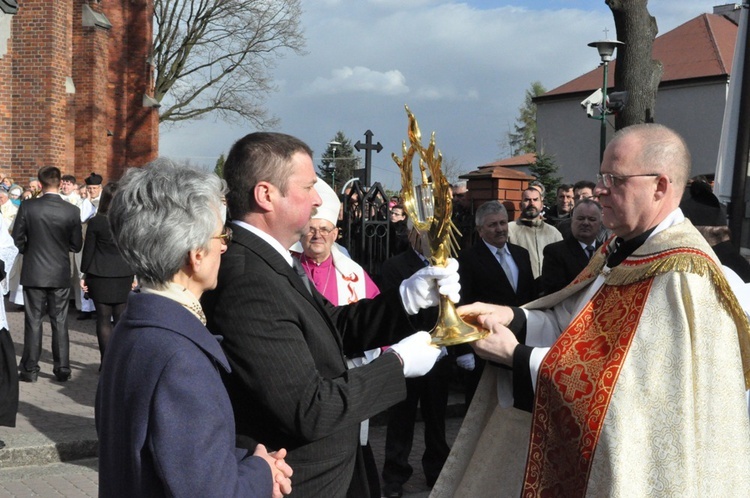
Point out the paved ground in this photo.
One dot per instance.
(52, 450)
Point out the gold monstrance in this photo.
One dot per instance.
(430, 207)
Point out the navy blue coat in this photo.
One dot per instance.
(163, 416)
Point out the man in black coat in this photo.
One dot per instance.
(482, 275)
(571, 255)
(46, 230)
(286, 345)
(492, 271)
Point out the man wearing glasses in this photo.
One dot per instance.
(637, 371)
(336, 276)
(94, 191)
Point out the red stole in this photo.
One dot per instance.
(574, 388)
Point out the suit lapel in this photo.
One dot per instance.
(492, 265)
(277, 262)
(521, 289)
(577, 251)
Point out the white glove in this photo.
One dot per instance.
(423, 289)
(466, 361)
(417, 354)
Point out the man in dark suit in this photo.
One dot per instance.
(564, 260)
(290, 386)
(483, 277)
(46, 230)
(492, 271)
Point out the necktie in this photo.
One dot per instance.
(301, 272)
(590, 251)
(506, 268)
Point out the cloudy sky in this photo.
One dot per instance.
(462, 67)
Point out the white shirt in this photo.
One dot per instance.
(263, 235)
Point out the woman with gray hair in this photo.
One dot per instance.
(164, 419)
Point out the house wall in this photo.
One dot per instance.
(696, 113)
(572, 139)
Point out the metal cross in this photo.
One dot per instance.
(368, 147)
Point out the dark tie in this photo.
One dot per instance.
(590, 251)
(302, 274)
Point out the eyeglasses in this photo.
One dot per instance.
(609, 180)
(226, 235)
(324, 231)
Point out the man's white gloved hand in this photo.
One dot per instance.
(417, 354)
(466, 361)
(423, 289)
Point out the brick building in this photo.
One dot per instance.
(75, 80)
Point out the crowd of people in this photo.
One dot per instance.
(616, 340)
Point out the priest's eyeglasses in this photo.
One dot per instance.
(226, 236)
(609, 180)
(324, 231)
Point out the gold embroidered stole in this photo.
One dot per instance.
(574, 387)
(578, 375)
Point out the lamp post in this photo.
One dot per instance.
(605, 48)
(333, 145)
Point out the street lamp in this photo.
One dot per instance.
(605, 48)
(333, 145)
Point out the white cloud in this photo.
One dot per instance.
(449, 93)
(462, 67)
(359, 79)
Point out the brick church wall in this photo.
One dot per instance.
(72, 96)
(92, 107)
(135, 128)
(41, 62)
(6, 21)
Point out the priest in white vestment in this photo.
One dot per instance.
(638, 368)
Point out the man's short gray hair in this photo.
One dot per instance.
(488, 208)
(160, 213)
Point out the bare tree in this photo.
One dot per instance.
(452, 169)
(636, 72)
(216, 56)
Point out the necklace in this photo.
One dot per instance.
(307, 262)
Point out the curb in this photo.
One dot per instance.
(37, 449)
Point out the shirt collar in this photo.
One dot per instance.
(494, 249)
(266, 237)
(627, 247)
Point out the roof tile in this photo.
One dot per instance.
(702, 47)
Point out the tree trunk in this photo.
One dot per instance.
(636, 72)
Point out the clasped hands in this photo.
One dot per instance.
(499, 345)
(281, 472)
